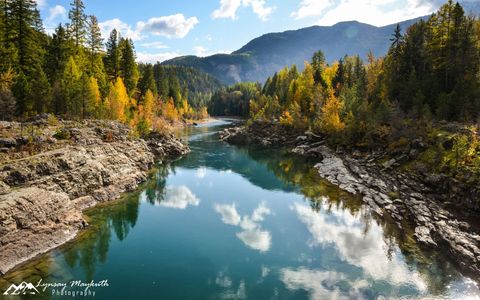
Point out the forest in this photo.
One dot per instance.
(74, 74)
(430, 76)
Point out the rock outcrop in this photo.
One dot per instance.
(42, 196)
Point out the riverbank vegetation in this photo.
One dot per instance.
(427, 87)
(75, 75)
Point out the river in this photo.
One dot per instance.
(242, 223)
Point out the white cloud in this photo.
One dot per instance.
(256, 239)
(375, 12)
(201, 173)
(179, 197)
(260, 212)
(310, 8)
(123, 28)
(366, 250)
(174, 26)
(156, 57)
(55, 12)
(41, 3)
(322, 284)
(202, 51)
(154, 45)
(260, 8)
(229, 292)
(229, 213)
(251, 235)
(228, 9)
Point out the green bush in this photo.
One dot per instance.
(62, 134)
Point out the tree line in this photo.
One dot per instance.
(74, 74)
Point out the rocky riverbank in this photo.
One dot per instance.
(419, 201)
(50, 173)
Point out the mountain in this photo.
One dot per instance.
(271, 52)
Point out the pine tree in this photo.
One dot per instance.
(77, 22)
(128, 66)
(112, 57)
(72, 89)
(7, 105)
(7, 100)
(94, 43)
(318, 64)
(59, 51)
(7, 49)
(147, 82)
(90, 96)
(40, 92)
(24, 19)
(21, 91)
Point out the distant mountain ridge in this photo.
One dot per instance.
(270, 52)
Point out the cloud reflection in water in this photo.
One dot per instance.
(252, 234)
(179, 197)
(366, 250)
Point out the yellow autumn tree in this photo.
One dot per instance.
(331, 121)
(147, 106)
(170, 112)
(306, 87)
(119, 101)
(94, 98)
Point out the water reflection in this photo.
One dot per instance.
(93, 245)
(252, 234)
(289, 235)
(179, 197)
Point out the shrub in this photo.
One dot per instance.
(62, 134)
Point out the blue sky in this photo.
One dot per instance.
(166, 29)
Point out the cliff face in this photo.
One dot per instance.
(42, 196)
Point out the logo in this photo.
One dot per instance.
(24, 288)
(73, 288)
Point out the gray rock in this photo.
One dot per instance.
(8, 142)
(422, 234)
(42, 197)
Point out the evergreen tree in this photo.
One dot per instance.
(21, 91)
(128, 66)
(147, 82)
(71, 86)
(78, 20)
(23, 20)
(7, 105)
(94, 43)
(58, 52)
(7, 49)
(40, 92)
(112, 57)
(318, 64)
(89, 96)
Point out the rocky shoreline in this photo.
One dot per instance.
(391, 193)
(79, 165)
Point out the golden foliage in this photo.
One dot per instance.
(331, 121)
